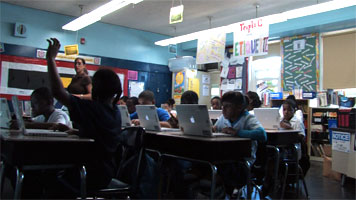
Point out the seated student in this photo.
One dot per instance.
(123, 100)
(45, 116)
(238, 122)
(188, 97)
(291, 121)
(98, 119)
(215, 103)
(298, 113)
(147, 98)
(131, 104)
(254, 101)
(169, 107)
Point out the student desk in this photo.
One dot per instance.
(212, 151)
(37, 153)
(277, 139)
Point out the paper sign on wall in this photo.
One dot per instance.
(211, 48)
(251, 38)
(194, 85)
(341, 141)
(176, 14)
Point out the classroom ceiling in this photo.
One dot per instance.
(153, 15)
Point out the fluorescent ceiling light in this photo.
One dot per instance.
(276, 18)
(97, 14)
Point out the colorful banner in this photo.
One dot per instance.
(251, 38)
(179, 78)
(211, 48)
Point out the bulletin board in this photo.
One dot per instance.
(300, 63)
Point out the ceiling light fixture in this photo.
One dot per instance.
(97, 14)
(272, 19)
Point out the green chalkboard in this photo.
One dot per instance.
(300, 66)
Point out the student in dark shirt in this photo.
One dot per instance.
(81, 84)
(98, 119)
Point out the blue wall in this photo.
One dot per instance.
(101, 39)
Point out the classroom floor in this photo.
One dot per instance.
(319, 186)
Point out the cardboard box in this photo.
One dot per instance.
(327, 150)
(327, 170)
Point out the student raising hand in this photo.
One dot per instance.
(53, 48)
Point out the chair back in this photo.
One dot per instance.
(132, 152)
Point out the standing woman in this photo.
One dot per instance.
(81, 83)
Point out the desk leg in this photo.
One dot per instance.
(2, 178)
(213, 180)
(284, 179)
(83, 187)
(276, 168)
(295, 149)
(19, 180)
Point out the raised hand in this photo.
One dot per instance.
(53, 47)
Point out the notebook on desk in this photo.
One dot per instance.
(148, 117)
(194, 120)
(125, 116)
(5, 115)
(32, 132)
(268, 117)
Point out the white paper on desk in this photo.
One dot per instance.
(238, 72)
(206, 90)
(224, 84)
(231, 84)
(224, 72)
(238, 84)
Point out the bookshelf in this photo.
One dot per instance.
(318, 132)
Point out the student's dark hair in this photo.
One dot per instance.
(292, 97)
(170, 102)
(106, 84)
(147, 95)
(189, 97)
(78, 58)
(43, 93)
(216, 97)
(290, 103)
(236, 98)
(134, 100)
(253, 96)
(124, 98)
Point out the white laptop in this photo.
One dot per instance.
(5, 115)
(194, 120)
(268, 117)
(147, 114)
(32, 132)
(125, 116)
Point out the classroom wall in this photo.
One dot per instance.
(101, 39)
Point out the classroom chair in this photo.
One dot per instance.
(130, 152)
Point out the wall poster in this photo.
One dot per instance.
(300, 63)
(179, 78)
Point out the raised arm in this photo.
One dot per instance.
(56, 84)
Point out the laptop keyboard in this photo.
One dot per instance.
(221, 135)
(45, 133)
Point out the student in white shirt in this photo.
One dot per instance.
(45, 116)
(298, 113)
